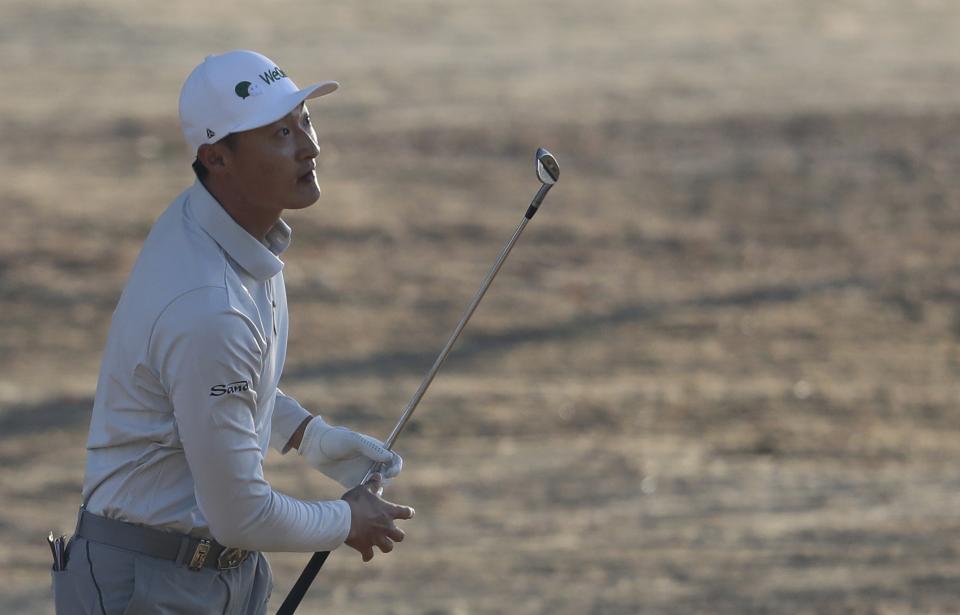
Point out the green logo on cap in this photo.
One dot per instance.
(245, 89)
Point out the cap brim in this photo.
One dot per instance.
(287, 104)
(320, 89)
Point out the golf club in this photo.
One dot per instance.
(548, 172)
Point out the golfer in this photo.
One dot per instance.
(176, 509)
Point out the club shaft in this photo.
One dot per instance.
(471, 308)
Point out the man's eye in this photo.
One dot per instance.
(283, 131)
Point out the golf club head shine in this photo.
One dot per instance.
(548, 171)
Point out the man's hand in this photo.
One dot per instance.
(372, 519)
(344, 455)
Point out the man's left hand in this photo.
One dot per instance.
(344, 455)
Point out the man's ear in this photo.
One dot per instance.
(215, 157)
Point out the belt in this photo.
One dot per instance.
(195, 553)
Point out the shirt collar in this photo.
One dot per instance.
(260, 259)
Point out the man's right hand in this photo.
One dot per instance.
(372, 519)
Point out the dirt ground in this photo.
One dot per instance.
(718, 374)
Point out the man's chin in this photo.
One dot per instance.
(306, 196)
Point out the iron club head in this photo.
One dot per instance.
(548, 171)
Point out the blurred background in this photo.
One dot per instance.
(718, 374)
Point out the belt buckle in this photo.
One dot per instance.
(199, 555)
(231, 557)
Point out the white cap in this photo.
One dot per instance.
(237, 91)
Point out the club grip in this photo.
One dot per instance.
(300, 588)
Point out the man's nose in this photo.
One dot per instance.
(308, 145)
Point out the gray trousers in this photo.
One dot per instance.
(104, 580)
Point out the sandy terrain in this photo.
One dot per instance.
(719, 373)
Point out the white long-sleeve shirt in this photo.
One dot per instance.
(188, 399)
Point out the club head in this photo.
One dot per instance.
(548, 171)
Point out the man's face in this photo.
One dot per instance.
(273, 166)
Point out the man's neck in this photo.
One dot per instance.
(254, 219)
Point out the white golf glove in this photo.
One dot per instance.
(344, 455)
